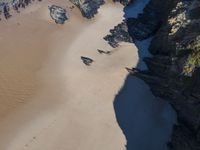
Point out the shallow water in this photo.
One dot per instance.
(145, 120)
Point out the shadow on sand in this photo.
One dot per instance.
(145, 120)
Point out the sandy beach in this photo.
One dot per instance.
(49, 100)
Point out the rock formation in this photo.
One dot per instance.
(173, 72)
(5, 6)
(58, 14)
(86, 60)
(88, 8)
(118, 34)
(150, 20)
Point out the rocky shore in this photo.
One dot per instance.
(173, 71)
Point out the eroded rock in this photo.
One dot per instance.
(148, 22)
(118, 34)
(58, 14)
(88, 8)
(86, 60)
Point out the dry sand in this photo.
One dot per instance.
(49, 100)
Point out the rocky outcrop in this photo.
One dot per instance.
(86, 60)
(5, 6)
(58, 14)
(146, 25)
(88, 7)
(118, 34)
(173, 71)
(124, 2)
(150, 20)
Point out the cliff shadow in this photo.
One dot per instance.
(145, 120)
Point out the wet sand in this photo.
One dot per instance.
(49, 100)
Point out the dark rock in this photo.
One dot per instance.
(123, 2)
(183, 139)
(103, 51)
(150, 20)
(118, 34)
(58, 14)
(15, 4)
(86, 60)
(88, 7)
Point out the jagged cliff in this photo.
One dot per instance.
(173, 72)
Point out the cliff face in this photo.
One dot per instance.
(147, 23)
(173, 71)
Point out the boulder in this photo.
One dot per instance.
(86, 60)
(58, 14)
(88, 8)
(118, 34)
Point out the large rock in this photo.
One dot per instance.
(58, 14)
(118, 34)
(88, 7)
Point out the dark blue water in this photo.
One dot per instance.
(145, 120)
